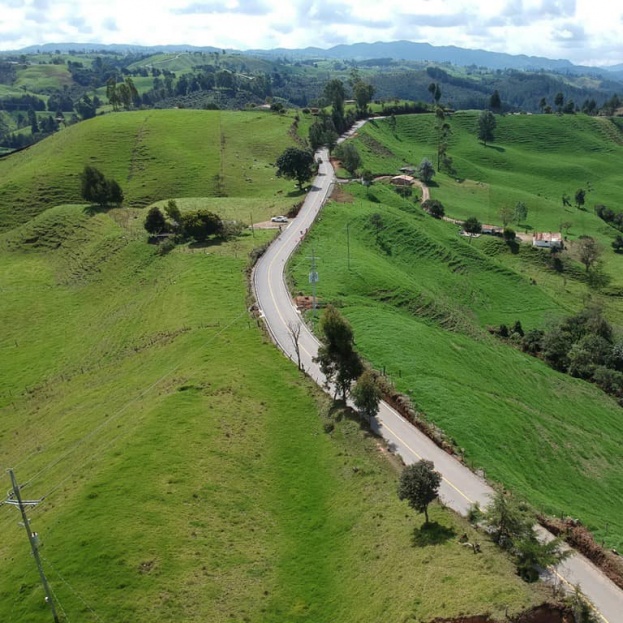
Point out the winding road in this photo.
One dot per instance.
(460, 487)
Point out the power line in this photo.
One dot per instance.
(72, 589)
(33, 539)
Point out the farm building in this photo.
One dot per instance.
(492, 230)
(402, 180)
(547, 240)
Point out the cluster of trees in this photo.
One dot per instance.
(198, 225)
(98, 189)
(512, 528)
(616, 220)
(582, 345)
(342, 366)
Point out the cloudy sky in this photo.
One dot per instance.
(583, 31)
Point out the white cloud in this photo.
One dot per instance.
(584, 31)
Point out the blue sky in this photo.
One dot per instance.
(583, 31)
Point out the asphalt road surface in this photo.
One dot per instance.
(460, 487)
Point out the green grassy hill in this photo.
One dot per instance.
(186, 468)
(152, 154)
(419, 297)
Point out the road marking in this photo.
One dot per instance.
(592, 607)
(420, 457)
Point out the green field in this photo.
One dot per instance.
(38, 78)
(153, 155)
(419, 297)
(184, 463)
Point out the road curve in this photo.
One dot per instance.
(460, 487)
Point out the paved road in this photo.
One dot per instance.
(460, 487)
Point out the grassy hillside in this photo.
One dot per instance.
(152, 154)
(419, 297)
(185, 465)
(534, 158)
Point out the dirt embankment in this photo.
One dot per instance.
(546, 613)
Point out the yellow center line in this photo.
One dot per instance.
(420, 457)
(592, 607)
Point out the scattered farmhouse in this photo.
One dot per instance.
(547, 240)
(492, 230)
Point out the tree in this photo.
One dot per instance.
(507, 520)
(419, 485)
(434, 207)
(533, 554)
(363, 92)
(444, 131)
(559, 101)
(367, 395)
(173, 212)
(495, 102)
(367, 179)
(349, 157)
(486, 126)
(426, 171)
(155, 222)
(617, 244)
(506, 215)
(589, 251)
(435, 91)
(521, 212)
(543, 104)
(98, 189)
(296, 164)
(32, 120)
(202, 224)
(338, 360)
(580, 197)
(472, 226)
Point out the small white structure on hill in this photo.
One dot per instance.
(547, 240)
(402, 180)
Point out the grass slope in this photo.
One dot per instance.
(418, 297)
(184, 464)
(152, 154)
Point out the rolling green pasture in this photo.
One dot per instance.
(534, 158)
(183, 461)
(418, 296)
(40, 77)
(184, 464)
(153, 155)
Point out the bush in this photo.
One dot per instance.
(509, 234)
(434, 208)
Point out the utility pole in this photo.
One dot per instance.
(15, 499)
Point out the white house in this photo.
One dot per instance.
(547, 240)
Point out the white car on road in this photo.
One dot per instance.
(279, 219)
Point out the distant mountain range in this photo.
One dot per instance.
(396, 50)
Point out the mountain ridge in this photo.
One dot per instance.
(396, 50)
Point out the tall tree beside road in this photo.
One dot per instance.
(362, 92)
(335, 94)
(296, 164)
(367, 395)
(486, 126)
(337, 357)
(349, 157)
(419, 485)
